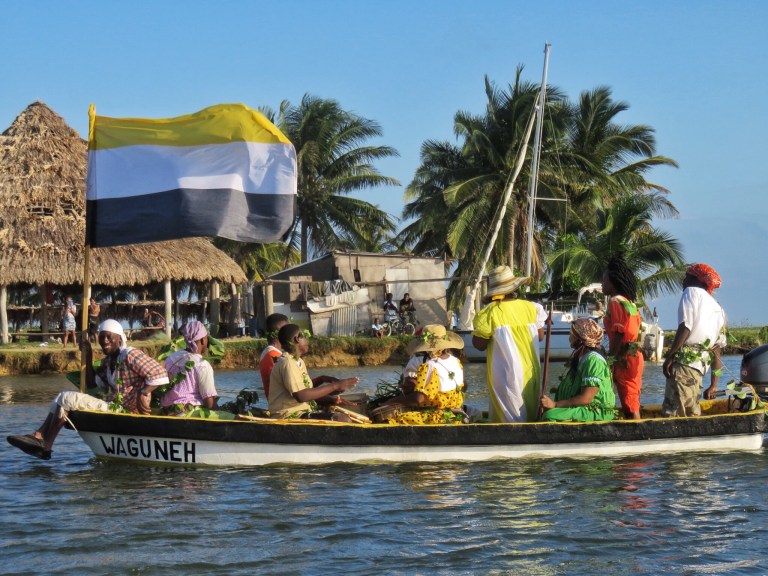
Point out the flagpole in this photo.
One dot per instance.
(86, 267)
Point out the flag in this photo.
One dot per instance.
(224, 171)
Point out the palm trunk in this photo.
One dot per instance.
(511, 244)
(304, 241)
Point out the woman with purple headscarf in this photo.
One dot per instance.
(191, 375)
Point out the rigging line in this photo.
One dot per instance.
(509, 186)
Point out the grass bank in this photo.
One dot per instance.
(241, 354)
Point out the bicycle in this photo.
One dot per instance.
(398, 325)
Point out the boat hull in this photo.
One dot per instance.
(187, 441)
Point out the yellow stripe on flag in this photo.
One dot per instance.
(220, 124)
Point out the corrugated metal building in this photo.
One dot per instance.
(340, 294)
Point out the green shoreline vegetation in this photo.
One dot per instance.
(243, 353)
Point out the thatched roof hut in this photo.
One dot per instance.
(43, 164)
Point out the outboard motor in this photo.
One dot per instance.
(754, 370)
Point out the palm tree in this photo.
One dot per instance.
(624, 229)
(333, 161)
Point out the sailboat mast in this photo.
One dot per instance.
(535, 159)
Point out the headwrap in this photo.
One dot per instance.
(194, 331)
(114, 327)
(588, 331)
(706, 275)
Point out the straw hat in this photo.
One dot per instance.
(433, 338)
(502, 280)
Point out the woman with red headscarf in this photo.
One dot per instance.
(700, 333)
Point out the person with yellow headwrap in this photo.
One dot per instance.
(585, 393)
(700, 333)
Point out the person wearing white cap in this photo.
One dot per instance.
(125, 373)
(509, 329)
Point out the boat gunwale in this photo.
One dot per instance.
(475, 434)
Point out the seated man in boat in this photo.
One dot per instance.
(292, 393)
(126, 377)
(585, 393)
(272, 353)
(700, 333)
(191, 376)
(439, 381)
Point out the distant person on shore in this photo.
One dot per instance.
(390, 308)
(292, 392)
(407, 309)
(126, 376)
(152, 319)
(700, 334)
(94, 310)
(270, 355)
(509, 330)
(585, 393)
(195, 386)
(377, 328)
(69, 323)
(622, 325)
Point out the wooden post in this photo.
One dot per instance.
(43, 292)
(4, 313)
(215, 308)
(168, 307)
(269, 303)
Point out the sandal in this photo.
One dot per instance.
(31, 445)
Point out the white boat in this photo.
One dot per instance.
(260, 441)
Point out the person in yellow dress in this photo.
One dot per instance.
(439, 388)
(509, 330)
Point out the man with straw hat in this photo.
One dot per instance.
(509, 330)
(439, 381)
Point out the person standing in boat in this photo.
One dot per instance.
(585, 393)
(700, 333)
(439, 380)
(126, 377)
(622, 325)
(509, 330)
(292, 393)
(272, 353)
(191, 375)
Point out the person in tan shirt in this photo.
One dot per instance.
(292, 393)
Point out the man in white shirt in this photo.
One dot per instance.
(700, 334)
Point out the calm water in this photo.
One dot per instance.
(680, 514)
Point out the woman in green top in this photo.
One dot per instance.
(585, 393)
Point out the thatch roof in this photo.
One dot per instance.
(43, 166)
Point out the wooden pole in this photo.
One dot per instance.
(84, 313)
(4, 313)
(545, 370)
(168, 311)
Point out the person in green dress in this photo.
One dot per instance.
(585, 393)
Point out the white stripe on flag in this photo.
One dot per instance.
(252, 167)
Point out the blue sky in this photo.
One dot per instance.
(695, 71)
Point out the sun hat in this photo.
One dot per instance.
(501, 281)
(435, 337)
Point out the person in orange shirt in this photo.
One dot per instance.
(273, 351)
(622, 325)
